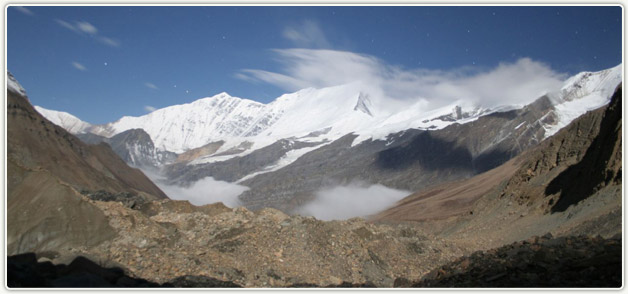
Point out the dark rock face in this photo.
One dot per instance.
(601, 164)
(575, 163)
(539, 262)
(134, 146)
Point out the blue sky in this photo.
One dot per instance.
(101, 63)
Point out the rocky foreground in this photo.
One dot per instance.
(539, 262)
(161, 240)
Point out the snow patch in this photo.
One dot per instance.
(290, 157)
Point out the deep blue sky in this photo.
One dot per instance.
(100, 63)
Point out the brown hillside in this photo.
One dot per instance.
(569, 184)
(33, 142)
(47, 169)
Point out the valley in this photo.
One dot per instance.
(493, 187)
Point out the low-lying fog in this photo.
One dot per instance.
(353, 200)
(340, 202)
(202, 192)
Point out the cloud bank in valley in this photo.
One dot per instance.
(353, 200)
(202, 192)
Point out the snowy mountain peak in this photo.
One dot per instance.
(182, 127)
(457, 112)
(14, 86)
(65, 120)
(581, 93)
(585, 83)
(363, 104)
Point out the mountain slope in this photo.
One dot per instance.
(577, 163)
(47, 170)
(35, 142)
(569, 184)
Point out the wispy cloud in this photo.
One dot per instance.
(79, 66)
(67, 25)
(518, 82)
(149, 108)
(87, 29)
(307, 34)
(151, 85)
(24, 10)
(109, 41)
(392, 86)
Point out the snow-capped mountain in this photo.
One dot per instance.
(286, 150)
(342, 109)
(329, 113)
(339, 110)
(14, 86)
(179, 128)
(584, 92)
(65, 120)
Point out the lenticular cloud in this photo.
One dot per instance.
(515, 83)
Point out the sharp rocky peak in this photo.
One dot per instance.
(363, 104)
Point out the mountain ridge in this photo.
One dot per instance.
(241, 118)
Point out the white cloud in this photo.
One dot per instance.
(281, 80)
(307, 34)
(206, 191)
(519, 82)
(151, 85)
(354, 200)
(109, 41)
(202, 192)
(24, 10)
(67, 25)
(79, 66)
(85, 28)
(149, 108)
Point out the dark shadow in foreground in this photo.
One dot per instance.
(539, 262)
(23, 271)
